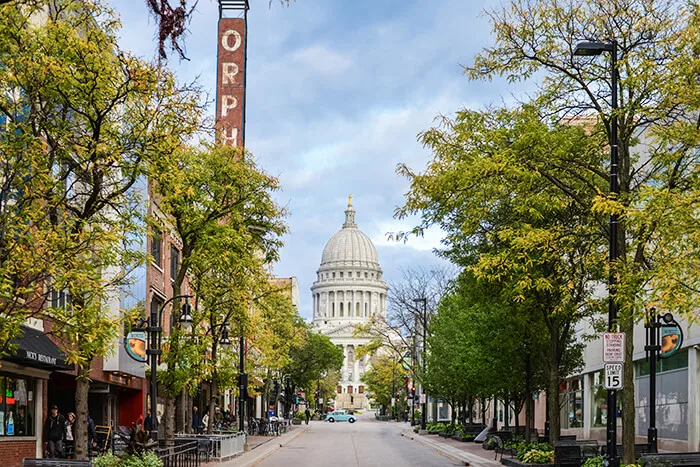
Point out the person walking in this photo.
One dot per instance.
(148, 422)
(196, 420)
(92, 435)
(307, 412)
(54, 433)
(69, 442)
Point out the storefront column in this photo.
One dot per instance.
(587, 404)
(693, 402)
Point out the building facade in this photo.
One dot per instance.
(348, 291)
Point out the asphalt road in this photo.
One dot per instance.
(364, 443)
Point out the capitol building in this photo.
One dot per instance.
(348, 291)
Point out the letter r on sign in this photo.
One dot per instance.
(229, 70)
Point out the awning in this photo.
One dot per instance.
(36, 350)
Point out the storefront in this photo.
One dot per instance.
(23, 401)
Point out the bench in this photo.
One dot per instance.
(501, 449)
(671, 459)
(639, 450)
(567, 455)
(26, 462)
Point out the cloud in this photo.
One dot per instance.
(337, 92)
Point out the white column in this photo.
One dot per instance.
(587, 404)
(693, 402)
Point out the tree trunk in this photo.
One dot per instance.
(212, 403)
(80, 431)
(516, 409)
(453, 412)
(168, 420)
(628, 409)
(528, 420)
(182, 411)
(553, 399)
(482, 403)
(528, 398)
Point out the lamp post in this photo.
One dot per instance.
(592, 49)
(242, 384)
(153, 329)
(424, 325)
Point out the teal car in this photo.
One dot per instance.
(340, 416)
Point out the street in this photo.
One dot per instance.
(364, 443)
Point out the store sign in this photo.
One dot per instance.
(36, 356)
(671, 339)
(614, 347)
(135, 345)
(230, 104)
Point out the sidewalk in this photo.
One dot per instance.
(470, 453)
(261, 447)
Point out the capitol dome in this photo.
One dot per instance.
(350, 247)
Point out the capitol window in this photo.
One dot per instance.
(349, 273)
(365, 275)
(341, 275)
(333, 275)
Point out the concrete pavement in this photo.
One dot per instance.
(365, 443)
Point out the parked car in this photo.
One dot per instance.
(340, 416)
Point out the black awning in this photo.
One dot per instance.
(35, 349)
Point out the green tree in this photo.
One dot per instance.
(315, 357)
(488, 188)
(385, 376)
(215, 195)
(657, 140)
(91, 116)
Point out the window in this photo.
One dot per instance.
(361, 389)
(357, 309)
(16, 406)
(571, 394)
(366, 310)
(333, 275)
(60, 299)
(365, 275)
(332, 310)
(599, 403)
(341, 309)
(349, 389)
(350, 274)
(156, 246)
(174, 261)
(341, 275)
(340, 389)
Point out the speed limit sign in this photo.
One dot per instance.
(613, 376)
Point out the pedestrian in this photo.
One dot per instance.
(307, 412)
(148, 422)
(205, 421)
(196, 420)
(69, 442)
(54, 433)
(92, 435)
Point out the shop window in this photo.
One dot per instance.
(156, 248)
(16, 406)
(571, 394)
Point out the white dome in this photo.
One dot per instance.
(350, 247)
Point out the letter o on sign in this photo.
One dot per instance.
(225, 42)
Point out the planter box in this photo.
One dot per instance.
(296, 422)
(445, 435)
(516, 463)
(464, 439)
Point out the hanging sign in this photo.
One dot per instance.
(671, 339)
(135, 345)
(230, 102)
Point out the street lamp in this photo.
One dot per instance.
(592, 49)
(422, 386)
(154, 329)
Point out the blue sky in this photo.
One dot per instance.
(337, 92)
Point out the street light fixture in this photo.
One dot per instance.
(591, 49)
(154, 328)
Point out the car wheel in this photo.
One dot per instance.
(351, 420)
(331, 419)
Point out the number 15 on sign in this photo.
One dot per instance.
(613, 376)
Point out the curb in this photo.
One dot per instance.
(452, 452)
(264, 450)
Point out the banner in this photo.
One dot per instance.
(230, 82)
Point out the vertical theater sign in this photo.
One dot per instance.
(230, 83)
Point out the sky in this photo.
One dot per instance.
(337, 92)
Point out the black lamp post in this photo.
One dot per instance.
(424, 325)
(591, 49)
(154, 329)
(242, 384)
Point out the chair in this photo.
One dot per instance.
(103, 435)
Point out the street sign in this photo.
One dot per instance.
(423, 398)
(614, 347)
(613, 376)
(393, 401)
